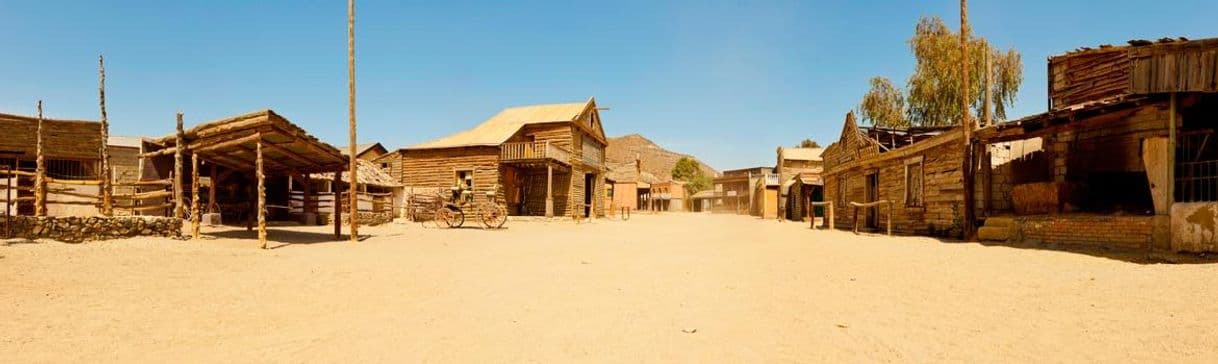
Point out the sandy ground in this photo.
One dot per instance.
(669, 288)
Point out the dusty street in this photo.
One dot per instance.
(667, 288)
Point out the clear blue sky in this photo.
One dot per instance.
(726, 81)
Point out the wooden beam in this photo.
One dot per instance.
(549, 191)
(338, 205)
(194, 196)
(261, 197)
(107, 177)
(289, 153)
(228, 144)
(211, 190)
(177, 172)
(40, 183)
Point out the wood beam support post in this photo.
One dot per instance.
(261, 176)
(211, 189)
(194, 197)
(40, 171)
(829, 213)
(549, 190)
(177, 171)
(107, 177)
(338, 205)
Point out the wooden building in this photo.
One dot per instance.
(1124, 158)
(917, 169)
(72, 159)
(668, 196)
(124, 162)
(632, 186)
(799, 169)
(734, 190)
(367, 151)
(541, 160)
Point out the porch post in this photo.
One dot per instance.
(194, 196)
(211, 190)
(338, 204)
(177, 171)
(261, 176)
(549, 190)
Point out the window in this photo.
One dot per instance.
(841, 190)
(913, 182)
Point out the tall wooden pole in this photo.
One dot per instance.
(987, 117)
(261, 176)
(40, 171)
(338, 204)
(211, 188)
(194, 196)
(178, 207)
(106, 188)
(967, 124)
(351, 120)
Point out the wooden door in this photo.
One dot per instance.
(872, 195)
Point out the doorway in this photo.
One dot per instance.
(589, 193)
(872, 195)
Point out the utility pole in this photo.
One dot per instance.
(966, 123)
(353, 176)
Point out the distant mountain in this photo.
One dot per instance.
(655, 160)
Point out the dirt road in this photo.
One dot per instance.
(669, 288)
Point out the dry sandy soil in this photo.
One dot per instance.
(669, 288)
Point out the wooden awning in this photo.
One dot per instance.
(232, 143)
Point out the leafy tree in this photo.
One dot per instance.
(934, 88)
(884, 104)
(809, 143)
(689, 171)
(932, 96)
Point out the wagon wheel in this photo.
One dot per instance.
(492, 216)
(449, 217)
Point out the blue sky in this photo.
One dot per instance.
(726, 81)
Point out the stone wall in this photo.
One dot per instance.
(1090, 230)
(74, 229)
(365, 218)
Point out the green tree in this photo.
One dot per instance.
(935, 86)
(884, 104)
(932, 95)
(688, 170)
(809, 143)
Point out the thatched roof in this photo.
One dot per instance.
(231, 142)
(499, 128)
(369, 174)
(67, 139)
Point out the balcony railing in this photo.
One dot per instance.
(771, 179)
(529, 151)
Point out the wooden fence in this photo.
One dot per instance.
(857, 205)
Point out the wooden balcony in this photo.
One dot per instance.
(534, 152)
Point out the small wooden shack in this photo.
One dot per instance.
(799, 169)
(916, 169)
(72, 159)
(734, 190)
(540, 160)
(377, 191)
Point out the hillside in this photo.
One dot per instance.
(655, 160)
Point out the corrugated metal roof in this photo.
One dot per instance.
(499, 128)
